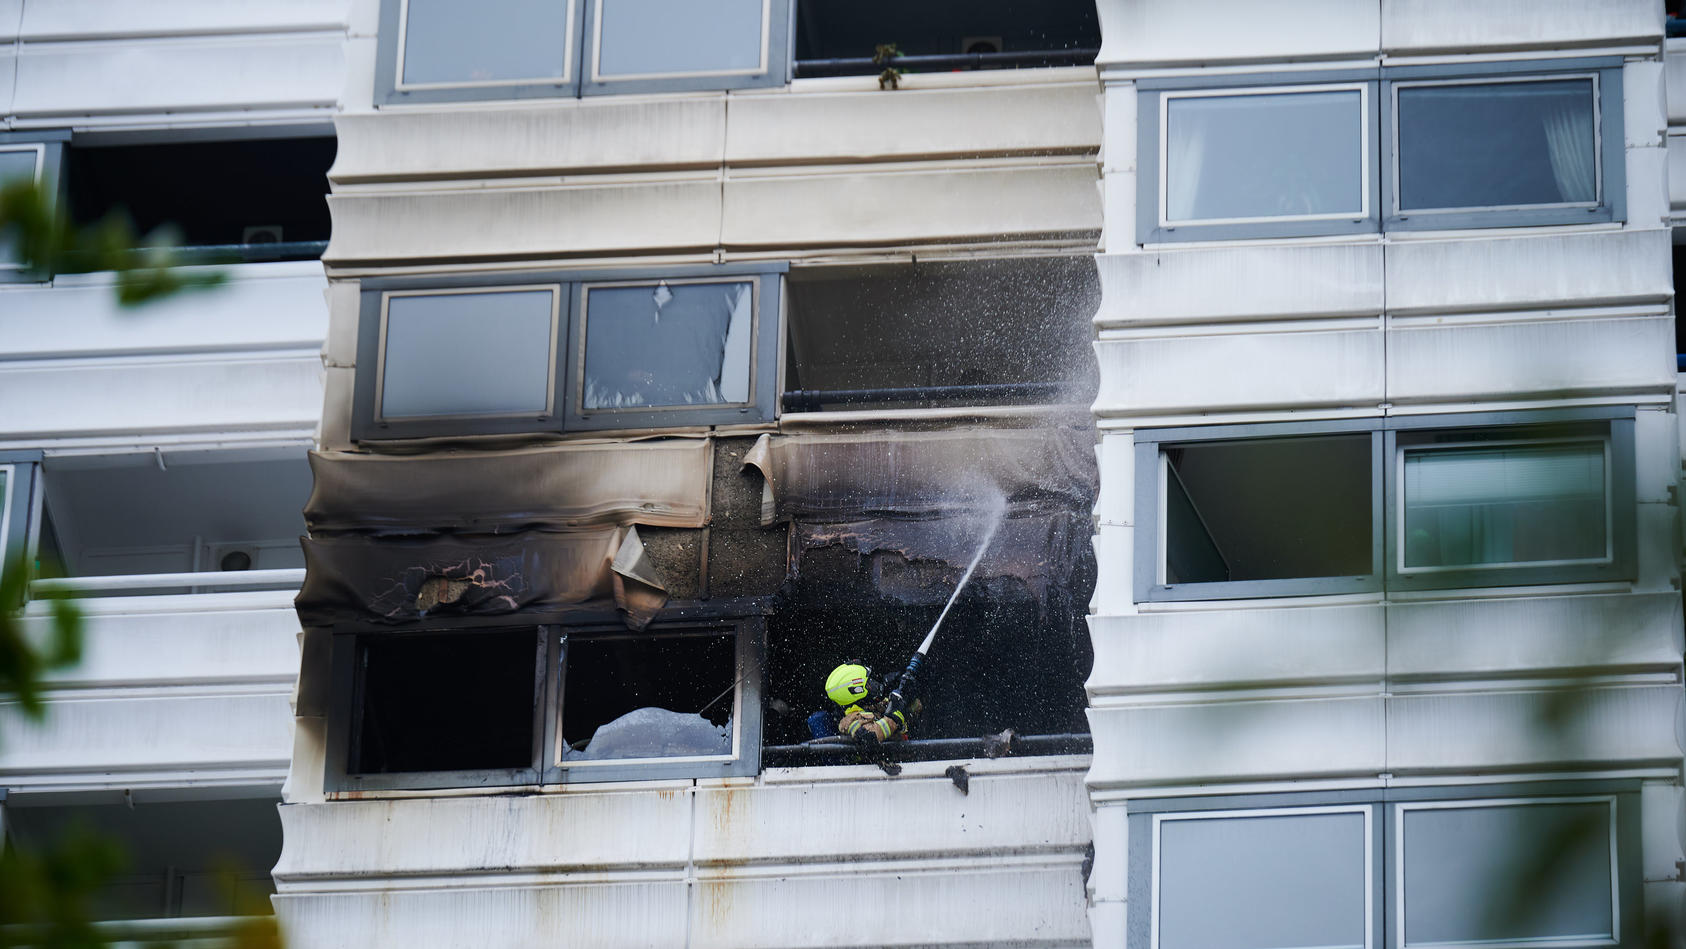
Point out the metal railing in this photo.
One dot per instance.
(163, 582)
(947, 62)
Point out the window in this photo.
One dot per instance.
(548, 703)
(1401, 867)
(438, 50)
(1402, 503)
(35, 157)
(839, 39)
(17, 502)
(1350, 151)
(566, 352)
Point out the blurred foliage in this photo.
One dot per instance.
(41, 237)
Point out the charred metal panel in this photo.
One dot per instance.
(361, 579)
(661, 484)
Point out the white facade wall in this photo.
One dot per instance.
(1373, 691)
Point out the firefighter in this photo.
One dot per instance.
(867, 709)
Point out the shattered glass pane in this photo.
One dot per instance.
(491, 41)
(666, 38)
(648, 696)
(445, 702)
(454, 354)
(667, 344)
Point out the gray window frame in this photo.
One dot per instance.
(1613, 423)
(1150, 180)
(1607, 129)
(545, 768)
(1381, 136)
(390, 91)
(1144, 815)
(49, 175)
(20, 510)
(581, 64)
(567, 412)
(774, 71)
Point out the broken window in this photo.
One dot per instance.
(992, 332)
(581, 700)
(552, 352)
(1309, 508)
(667, 345)
(944, 35)
(648, 696)
(443, 702)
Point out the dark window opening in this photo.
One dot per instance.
(1679, 290)
(944, 35)
(459, 701)
(996, 332)
(1004, 658)
(182, 858)
(648, 695)
(1268, 510)
(262, 199)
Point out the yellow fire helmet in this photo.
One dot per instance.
(847, 684)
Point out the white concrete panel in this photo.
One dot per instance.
(1423, 25)
(1212, 373)
(1242, 648)
(623, 916)
(344, 301)
(1118, 108)
(363, 17)
(11, 15)
(101, 19)
(261, 307)
(1236, 741)
(250, 72)
(516, 222)
(1244, 282)
(1623, 725)
(1114, 561)
(981, 905)
(149, 731)
(8, 75)
(1659, 548)
(1661, 808)
(456, 835)
(162, 394)
(1553, 359)
(1118, 194)
(1647, 186)
(308, 768)
(1205, 31)
(1644, 104)
(959, 203)
(999, 814)
(1109, 879)
(1116, 503)
(1039, 118)
(1656, 448)
(552, 137)
(1109, 922)
(1513, 272)
(150, 647)
(1552, 635)
(361, 53)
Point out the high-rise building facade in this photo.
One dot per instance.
(1290, 387)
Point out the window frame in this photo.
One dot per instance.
(545, 768)
(1609, 151)
(1381, 153)
(1613, 424)
(1144, 815)
(20, 510)
(774, 69)
(567, 413)
(580, 51)
(49, 176)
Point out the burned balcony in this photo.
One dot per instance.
(976, 333)
(841, 39)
